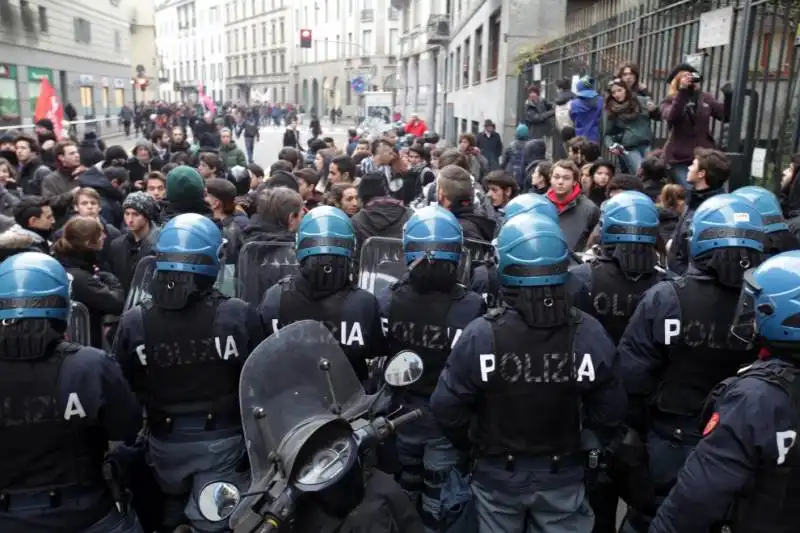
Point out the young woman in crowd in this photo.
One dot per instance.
(101, 292)
(628, 132)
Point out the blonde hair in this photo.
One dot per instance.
(675, 84)
(672, 196)
(12, 172)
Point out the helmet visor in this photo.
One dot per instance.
(743, 326)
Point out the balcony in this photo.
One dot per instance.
(367, 15)
(438, 30)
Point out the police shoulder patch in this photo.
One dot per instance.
(711, 424)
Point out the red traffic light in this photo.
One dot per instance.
(305, 38)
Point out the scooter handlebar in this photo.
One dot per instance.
(404, 419)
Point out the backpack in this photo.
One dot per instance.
(516, 164)
(563, 120)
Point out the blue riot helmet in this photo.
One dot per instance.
(727, 237)
(531, 203)
(325, 230)
(33, 285)
(767, 204)
(432, 245)
(769, 305)
(325, 244)
(188, 259)
(532, 252)
(433, 232)
(533, 269)
(34, 305)
(629, 231)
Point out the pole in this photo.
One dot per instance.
(435, 53)
(740, 161)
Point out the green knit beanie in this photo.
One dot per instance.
(185, 185)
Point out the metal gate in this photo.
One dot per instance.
(657, 35)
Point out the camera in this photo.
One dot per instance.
(696, 77)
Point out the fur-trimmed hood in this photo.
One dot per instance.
(18, 237)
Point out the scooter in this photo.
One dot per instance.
(307, 423)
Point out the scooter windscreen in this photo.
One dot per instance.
(294, 383)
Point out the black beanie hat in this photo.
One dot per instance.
(372, 185)
(281, 178)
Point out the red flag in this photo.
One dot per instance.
(49, 106)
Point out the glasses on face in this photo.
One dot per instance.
(615, 81)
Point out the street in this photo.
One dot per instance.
(266, 150)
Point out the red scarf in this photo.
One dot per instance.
(562, 204)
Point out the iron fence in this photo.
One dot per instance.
(657, 35)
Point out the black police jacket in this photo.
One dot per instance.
(385, 509)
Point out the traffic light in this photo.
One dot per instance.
(305, 39)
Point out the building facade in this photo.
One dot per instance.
(145, 64)
(260, 50)
(478, 42)
(191, 47)
(351, 38)
(83, 47)
(422, 61)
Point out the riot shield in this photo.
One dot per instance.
(78, 330)
(262, 265)
(145, 270)
(382, 263)
(140, 284)
(480, 252)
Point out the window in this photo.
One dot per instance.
(457, 68)
(43, 23)
(236, 11)
(117, 41)
(283, 62)
(254, 36)
(219, 71)
(394, 39)
(476, 75)
(253, 8)
(450, 71)
(227, 13)
(203, 73)
(326, 11)
(264, 63)
(337, 44)
(83, 30)
(229, 40)
(325, 52)
(349, 45)
(274, 35)
(235, 41)
(244, 38)
(494, 45)
(194, 70)
(263, 34)
(417, 9)
(283, 32)
(274, 62)
(213, 71)
(366, 43)
(465, 64)
(254, 64)
(394, 14)
(283, 94)
(230, 73)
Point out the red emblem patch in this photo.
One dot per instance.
(711, 424)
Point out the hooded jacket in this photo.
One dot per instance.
(31, 176)
(231, 155)
(587, 116)
(380, 217)
(110, 196)
(17, 239)
(577, 216)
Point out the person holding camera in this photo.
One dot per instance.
(688, 112)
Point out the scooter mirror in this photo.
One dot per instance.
(218, 500)
(403, 369)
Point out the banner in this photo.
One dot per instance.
(49, 106)
(208, 102)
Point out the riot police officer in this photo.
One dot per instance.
(521, 383)
(182, 353)
(425, 312)
(323, 289)
(625, 267)
(676, 346)
(779, 238)
(613, 281)
(484, 277)
(744, 470)
(62, 404)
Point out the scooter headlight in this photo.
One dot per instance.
(327, 464)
